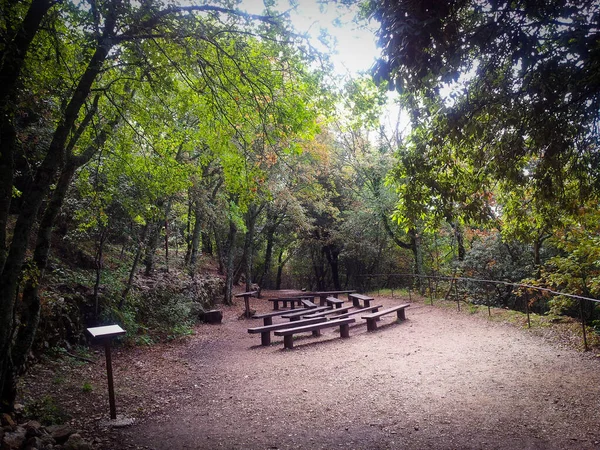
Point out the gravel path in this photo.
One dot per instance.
(441, 380)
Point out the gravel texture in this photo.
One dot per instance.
(442, 379)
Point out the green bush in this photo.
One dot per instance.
(153, 315)
(46, 411)
(163, 310)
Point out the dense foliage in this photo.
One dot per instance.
(143, 139)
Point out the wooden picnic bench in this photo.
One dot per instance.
(265, 331)
(268, 317)
(356, 298)
(288, 333)
(293, 301)
(327, 312)
(372, 318)
(333, 301)
(247, 296)
(324, 294)
(293, 316)
(308, 303)
(372, 309)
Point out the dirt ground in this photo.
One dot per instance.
(441, 380)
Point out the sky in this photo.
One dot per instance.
(355, 49)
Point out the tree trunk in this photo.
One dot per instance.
(7, 143)
(332, 254)
(280, 265)
(207, 247)
(220, 251)
(136, 261)
(415, 242)
(230, 255)
(188, 229)
(167, 244)
(196, 235)
(265, 278)
(152, 246)
(98, 260)
(12, 60)
(460, 241)
(31, 201)
(249, 244)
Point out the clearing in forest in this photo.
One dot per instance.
(441, 379)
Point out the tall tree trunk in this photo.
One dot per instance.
(32, 200)
(98, 261)
(230, 255)
(134, 266)
(152, 246)
(188, 228)
(332, 254)
(220, 251)
(460, 240)
(12, 60)
(249, 244)
(30, 304)
(280, 265)
(207, 247)
(415, 244)
(167, 244)
(7, 144)
(196, 235)
(265, 278)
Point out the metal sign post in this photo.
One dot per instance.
(106, 333)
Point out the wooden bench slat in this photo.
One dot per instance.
(268, 317)
(293, 301)
(296, 315)
(288, 333)
(328, 312)
(334, 301)
(358, 311)
(324, 294)
(372, 318)
(357, 297)
(265, 331)
(246, 294)
(308, 303)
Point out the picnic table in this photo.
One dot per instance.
(357, 297)
(292, 300)
(324, 294)
(247, 296)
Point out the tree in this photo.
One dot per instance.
(519, 83)
(89, 44)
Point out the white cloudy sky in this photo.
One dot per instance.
(355, 48)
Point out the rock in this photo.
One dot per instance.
(76, 442)
(34, 443)
(211, 316)
(33, 428)
(19, 409)
(60, 433)
(47, 440)
(14, 440)
(6, 419)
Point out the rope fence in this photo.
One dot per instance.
(454, 284)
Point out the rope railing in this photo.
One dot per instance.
(454, 279)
